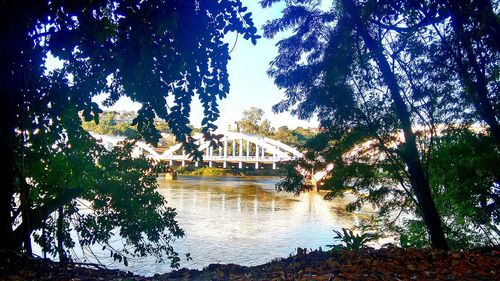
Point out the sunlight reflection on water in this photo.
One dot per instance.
(243, 220)
(240, 220)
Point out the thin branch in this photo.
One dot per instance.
(425, 22)
(234, 45)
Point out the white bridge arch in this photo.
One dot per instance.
(233, 149)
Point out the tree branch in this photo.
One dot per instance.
(425, 22)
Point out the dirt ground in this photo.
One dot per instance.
(389, 263)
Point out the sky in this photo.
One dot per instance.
(249, 84)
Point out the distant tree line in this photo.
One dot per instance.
(252, 122)
(119, 124)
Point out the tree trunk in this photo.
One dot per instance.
(6, 192)
(25, 212)
(39, 215)
(60, 235)
(418, 179)
(10, 79)
(17, 18)
(8, 113)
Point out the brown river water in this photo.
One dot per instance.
(241, 220)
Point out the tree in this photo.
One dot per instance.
(297, 137)
(473, 47)
(286, 136)
(379, 95)
(464, 44)
(252, 122)
(109, 124)
(303, 135)
(145, 50)
(464, 180)
(409, 152)
(468, 36)
(118, 124)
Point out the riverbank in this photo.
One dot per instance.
(207, 171)
(389, 263)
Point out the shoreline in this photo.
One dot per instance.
(387, 263)
(207, 171)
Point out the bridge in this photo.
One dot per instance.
(234, 149)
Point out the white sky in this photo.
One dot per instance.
(250, 85)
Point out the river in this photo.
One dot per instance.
(241, 220)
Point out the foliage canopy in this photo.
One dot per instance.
(388, 80)
(151, 51)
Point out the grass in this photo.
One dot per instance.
(207, 171)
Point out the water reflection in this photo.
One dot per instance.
(241, 220)
(244, 221)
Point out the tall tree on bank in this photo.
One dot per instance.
(409, 152)
(377, 95)
(146, 50)
(462, 41)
